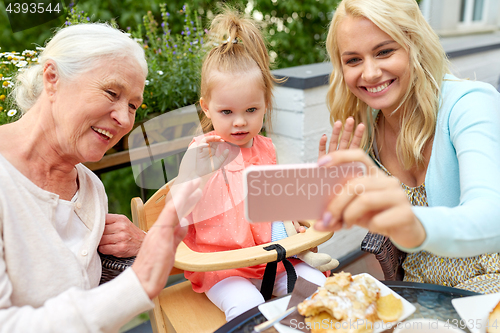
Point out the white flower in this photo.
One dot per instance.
(9, 54)
(22, 63)
(160, 72)
(40, 48)
(9, 85)
(12, 113)
(29, 52)
(147, 82)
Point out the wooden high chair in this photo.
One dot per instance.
(178, 308)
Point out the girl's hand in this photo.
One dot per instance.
(376, 202)
(335, 144)
(206, 159)
(299, 228)
(201, 158)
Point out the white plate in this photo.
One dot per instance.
(272, 309)
(474, 311)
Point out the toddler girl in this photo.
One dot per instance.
(236, 94)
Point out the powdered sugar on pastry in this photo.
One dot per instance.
(344, 298)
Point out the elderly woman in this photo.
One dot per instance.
(78, 102)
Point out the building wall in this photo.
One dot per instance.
(444, 17)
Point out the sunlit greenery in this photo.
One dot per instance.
(296, 29)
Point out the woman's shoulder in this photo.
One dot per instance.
(459, 87)
(461, 94)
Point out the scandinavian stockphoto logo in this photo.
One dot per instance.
(26, 14)
(305, 182)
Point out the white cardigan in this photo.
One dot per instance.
(44, 287)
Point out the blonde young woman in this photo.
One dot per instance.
(433, 184)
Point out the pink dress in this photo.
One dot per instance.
(226, 227)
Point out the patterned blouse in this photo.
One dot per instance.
(479, 274)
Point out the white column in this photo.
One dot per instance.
(300, 117)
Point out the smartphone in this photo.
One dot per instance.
(294, 191)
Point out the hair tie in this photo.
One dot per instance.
(235, 40)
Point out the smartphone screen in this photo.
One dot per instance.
(294, 191)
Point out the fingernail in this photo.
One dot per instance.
(327, 217)
(324, 160)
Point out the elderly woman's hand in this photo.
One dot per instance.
(121, 237)
(338, 142)
(376, 202)
(157, 254)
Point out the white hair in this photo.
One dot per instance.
(75, 50)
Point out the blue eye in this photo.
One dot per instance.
(385, 52)
(353, 61)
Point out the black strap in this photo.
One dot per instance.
(267, 286)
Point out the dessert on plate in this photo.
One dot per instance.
(348, 304)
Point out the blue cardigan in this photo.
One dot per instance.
(463, 176)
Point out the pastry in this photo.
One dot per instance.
(348, 304)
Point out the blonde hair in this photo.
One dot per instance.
(238, 48)
(403, 22)
(75, 50)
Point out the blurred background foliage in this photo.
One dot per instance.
(296, 29)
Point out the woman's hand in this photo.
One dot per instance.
(157, 254)
(376, 202)
(121, 238)
(335, 144)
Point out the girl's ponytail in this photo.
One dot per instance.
(237, 48)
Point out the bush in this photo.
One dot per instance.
(11, 64)
(174, 61)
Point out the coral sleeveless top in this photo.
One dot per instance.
(218, 220)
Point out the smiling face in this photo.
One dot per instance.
(97, 108)
(236, 106)
(375, 67)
